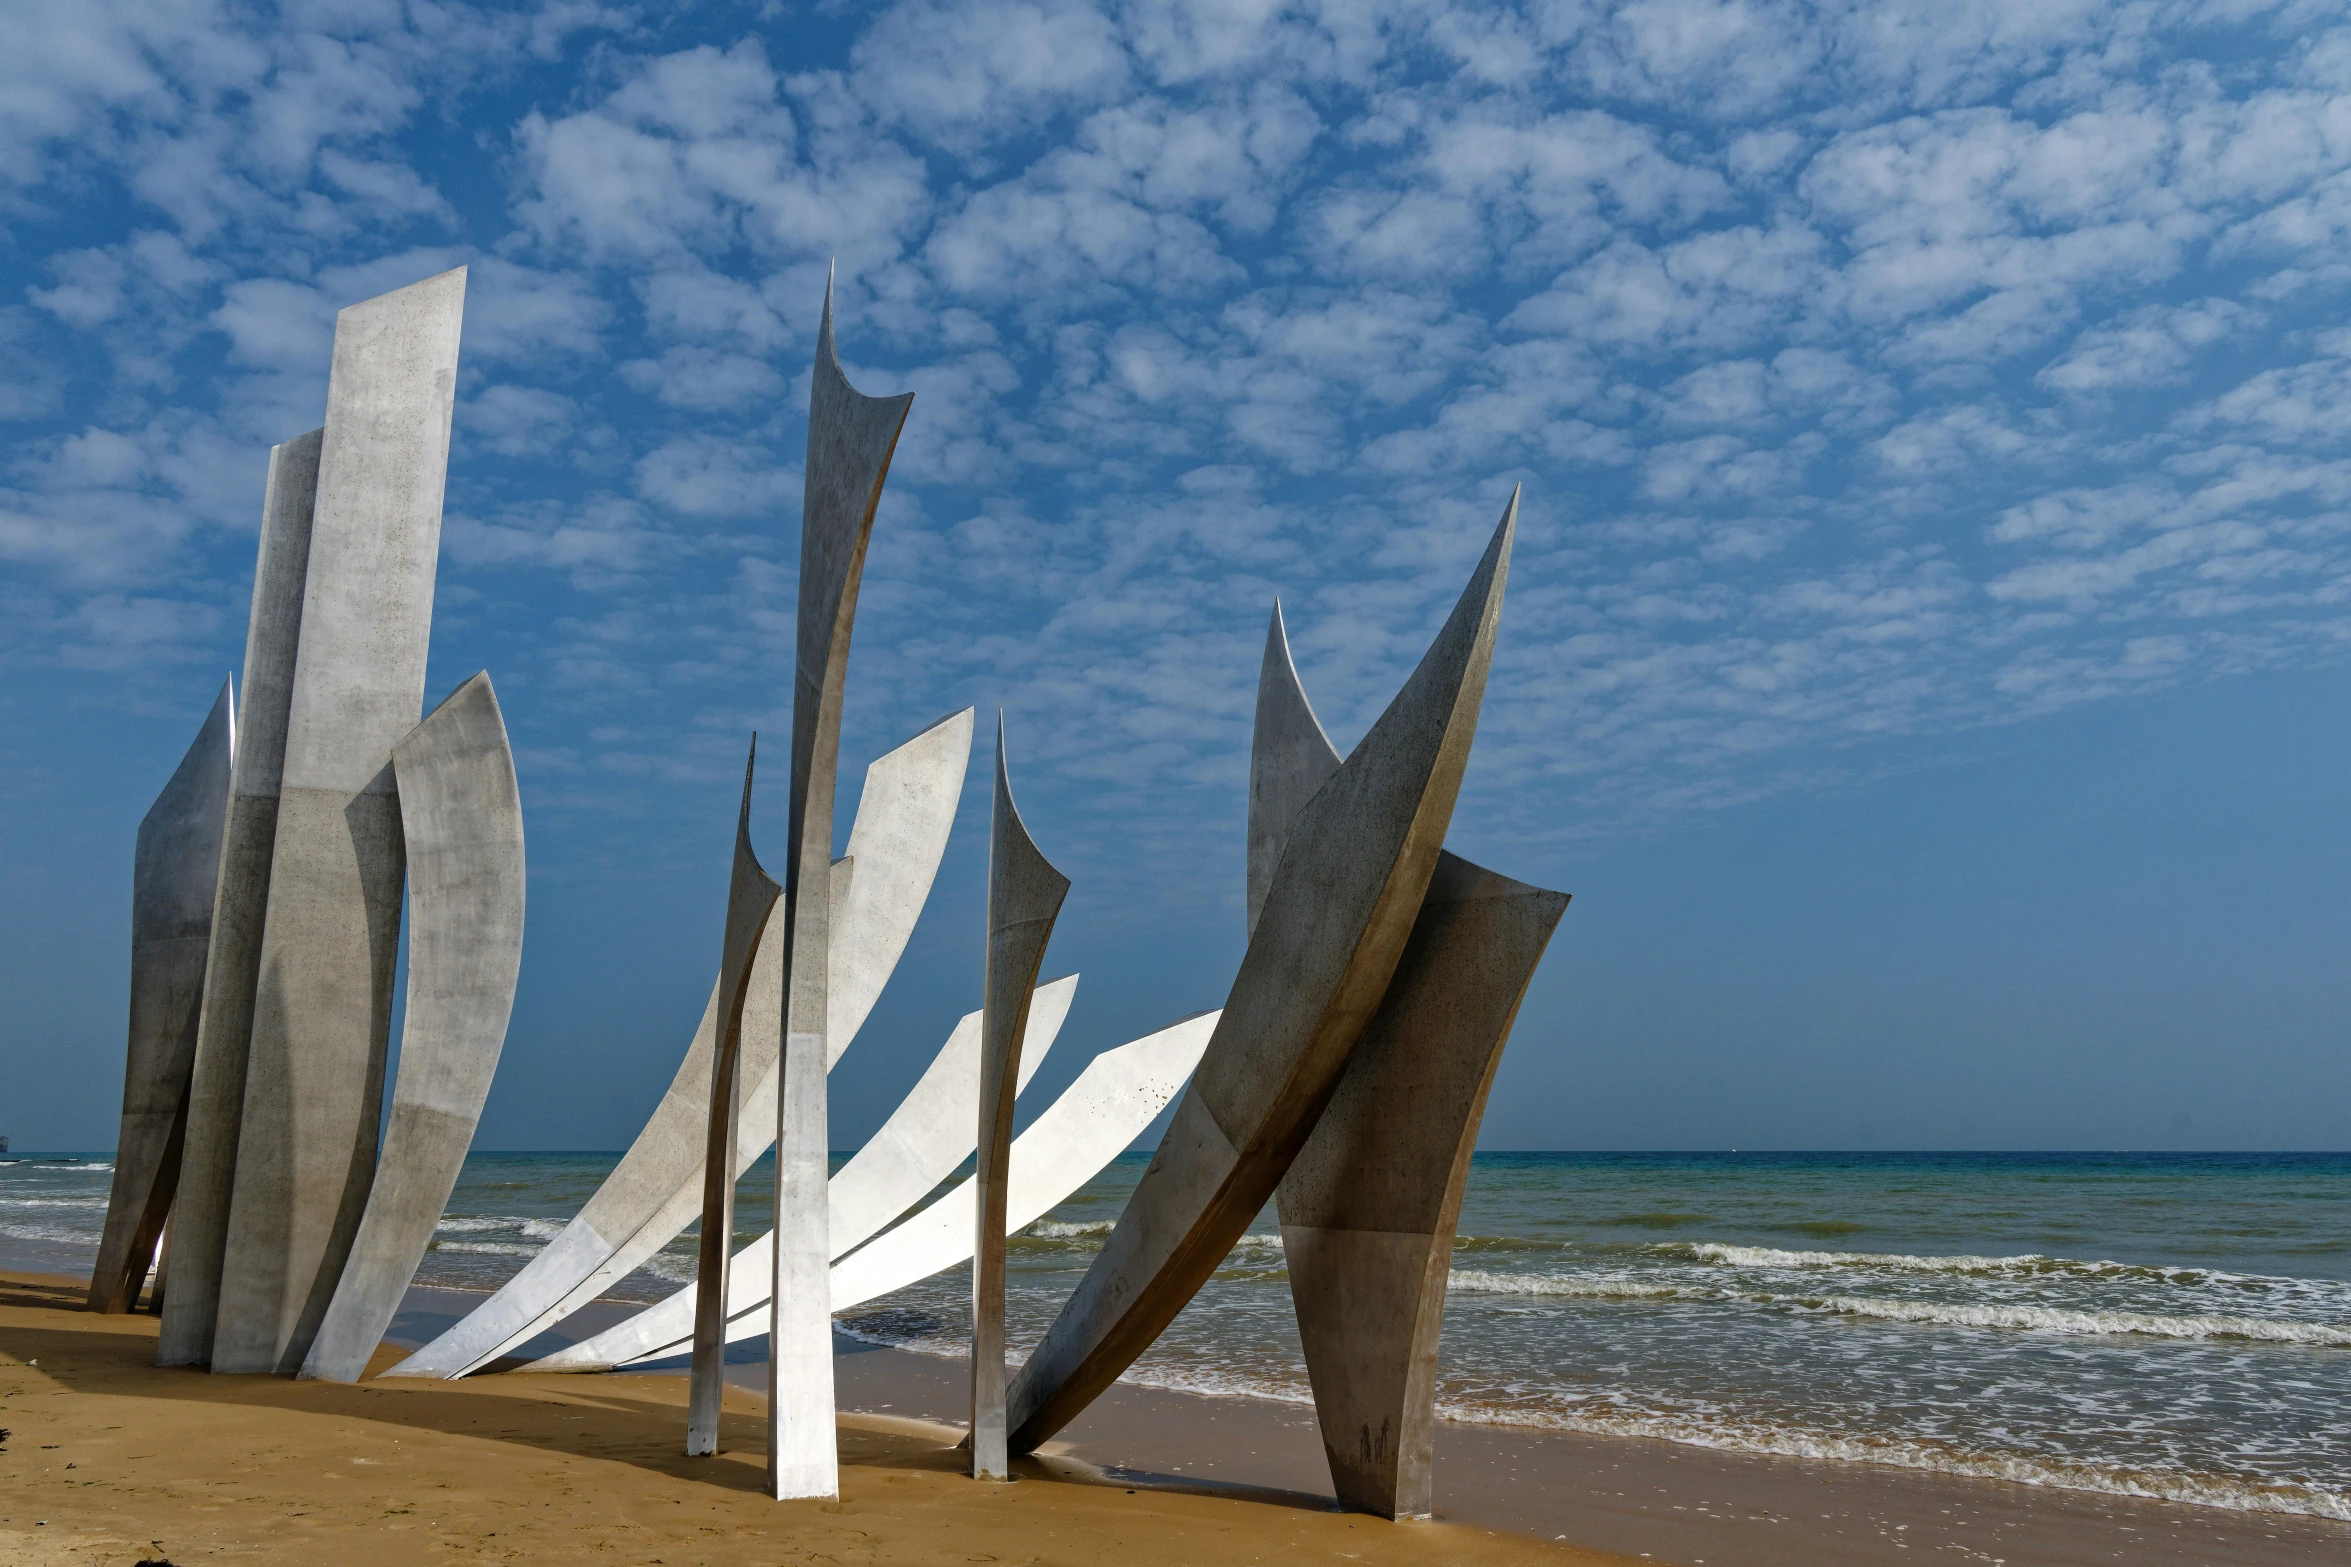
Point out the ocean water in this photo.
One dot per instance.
(2168, 1325)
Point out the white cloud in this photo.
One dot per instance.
(2152, 346)
(963, 75)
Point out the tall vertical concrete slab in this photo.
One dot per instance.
(1024, 899)
(461, 818)
(850, 440)
(1333, 926)
(904, 815)
(216, 1088)
(173, 882)
(1368, 1208)
(751, 899)
(322, 1007)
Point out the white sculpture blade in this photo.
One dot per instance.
(932, 1131)
(904, 815)
(1111, 1104)
(1114, 1099)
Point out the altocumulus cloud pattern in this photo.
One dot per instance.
(1871, 370)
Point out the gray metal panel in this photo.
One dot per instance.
(1369, 1206)
(751, 899)
(322, 1009)
(232, 969)
(850, 439)
(1333, 925)
(173, 884)
(461, 814)
(1024, 899)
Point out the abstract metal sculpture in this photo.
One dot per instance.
(1334, 922)
(751, 898)
(1110, 1105)
(461, 818)
(1368, 1208)
(173, 881)
(232, 967)
(925, 1138)
(904, 816)
(1024, 899)
(322, 1012)
(850, 441)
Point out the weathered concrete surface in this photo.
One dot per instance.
(1333, 924)
(174, 879)
(216, 1088)
(461, 816)
(1025, 894)
(322, 1008)
(850, 440)
(926, 1137)
(1369, 1206)
(751, 899)
(904, 816)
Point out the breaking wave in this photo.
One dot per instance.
(2041, 1319)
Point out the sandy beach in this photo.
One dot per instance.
(114, 1461)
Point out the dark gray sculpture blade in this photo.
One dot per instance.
(1024, 899)
(1368, 1208)
(173, 880)
(1334, 923)
(232, 970)
(461, 817)
(751, 899)
(850, 440)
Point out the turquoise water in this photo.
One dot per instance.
(2174, 1325)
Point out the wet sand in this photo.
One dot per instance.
(583, 1467)
(1655, 1501)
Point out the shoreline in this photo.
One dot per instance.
(1642, 1497)
(1552, 1491)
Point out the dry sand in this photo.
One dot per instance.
(109, 1460)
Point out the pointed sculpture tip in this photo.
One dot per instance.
(1495, 564)
(825, 352)
(750, 761)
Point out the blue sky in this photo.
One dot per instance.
(1926, 652)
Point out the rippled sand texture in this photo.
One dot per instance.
(112, 1461)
